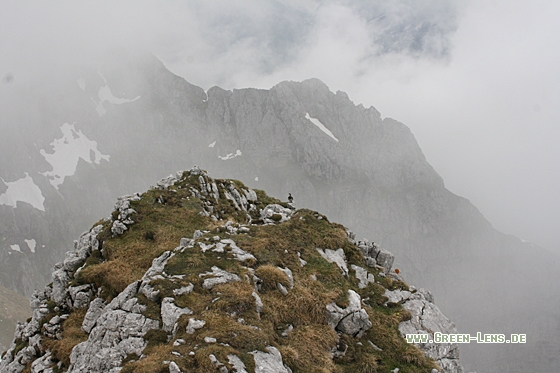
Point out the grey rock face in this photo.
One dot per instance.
(352, 320)
(94, 311)
(43, 364)
(170, 313)
(158, 264)
(118, 228)
(81, 296)
(183, 290)
(118, 332)
(385, 259)
(428, 319)
(335, 256)
(363, 275)
(238, 253)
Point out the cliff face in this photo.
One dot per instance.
(260, 287)
(138, 122)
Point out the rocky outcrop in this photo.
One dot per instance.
(426, 318)
(117, 333)
(185, 309)
(352, 320)
(269, 362)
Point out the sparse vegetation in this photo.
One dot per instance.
(72, 334)
(163, 217)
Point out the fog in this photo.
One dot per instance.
(476, 81)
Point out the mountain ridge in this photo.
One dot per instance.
(440, 240)
(251, 291)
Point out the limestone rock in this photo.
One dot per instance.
(428, 319)
(270, 211)
(80, 295)
(194, 324)
(352, 320)
(94, 311)
(335, 256)
(158, 264)
(170, 313)
(116, 334)
(238, 253)
(219, 277)
(258, 302)
(183, 290)
(237, 364)
(60, 279)
(270, 362)
(174, 368)
(363, 275)
(385, 259)
(166, 182)
(118, 228)
(43, 364)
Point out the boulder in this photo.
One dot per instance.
(194, 325)
(270, 362)
(352, 320)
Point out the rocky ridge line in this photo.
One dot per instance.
(116, 329)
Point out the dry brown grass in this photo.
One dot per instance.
(304, 305)
(309, 348)
(235, 299)
(114, 276)
(240, 336)
(140, 252)
(368, 364)
(333, 238)
(153, 361)
(414, 356)
(270, 276)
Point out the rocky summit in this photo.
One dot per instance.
(207, 275)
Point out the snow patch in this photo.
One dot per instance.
(212, 145)
(67, 151)
(15, 247)
(31, 244)
(230, 155)
(105, 94)
(23, 190)
(257, 178)
(82, 84)
(321, 126)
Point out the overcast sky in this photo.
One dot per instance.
(477, 82)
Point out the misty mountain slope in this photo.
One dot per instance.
(260, 287)
(13, 308)
(140, 122)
